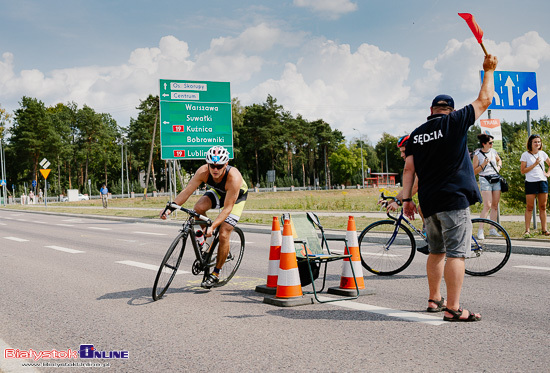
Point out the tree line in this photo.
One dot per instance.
(87, 149)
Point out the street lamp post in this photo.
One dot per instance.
(362, 166)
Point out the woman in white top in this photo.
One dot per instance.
(487, 164)
(536, 182)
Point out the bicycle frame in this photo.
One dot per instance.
(188, 229)
(402, 218)
(398, 221)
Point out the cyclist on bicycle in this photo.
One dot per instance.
(394, 205)
(225, 189)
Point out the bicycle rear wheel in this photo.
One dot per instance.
(491, 248)
(234, 258)
(169, 266)
(386, 250)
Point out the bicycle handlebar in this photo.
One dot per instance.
(386, 198)
(173, 206)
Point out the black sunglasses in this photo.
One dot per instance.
(216, 166)
(490, 142)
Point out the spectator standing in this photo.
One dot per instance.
(438, 152)
(104, 192)
(536, 182)
(487, 165)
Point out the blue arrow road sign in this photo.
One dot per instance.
(515, 90)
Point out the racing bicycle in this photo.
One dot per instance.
(205, 253)
(388, 246)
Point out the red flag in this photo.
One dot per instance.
(471, 21)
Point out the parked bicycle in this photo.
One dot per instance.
(388, 246)
(205, 253)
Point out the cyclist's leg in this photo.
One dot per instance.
(225, 232)
(223, 246)
(205, 203)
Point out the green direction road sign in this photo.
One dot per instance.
(194, 116)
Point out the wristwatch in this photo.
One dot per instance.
(406, 200)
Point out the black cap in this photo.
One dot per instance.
(443, 100)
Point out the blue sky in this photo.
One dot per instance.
(370, 65)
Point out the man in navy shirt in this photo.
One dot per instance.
(437, 151)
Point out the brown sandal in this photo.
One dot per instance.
(440, 305)
(545, 233)
(456, 316)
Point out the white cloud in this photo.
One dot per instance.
(365, 88)
(345, 88)
(331, 9)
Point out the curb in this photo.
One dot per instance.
(519, 245)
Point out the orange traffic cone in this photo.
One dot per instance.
(347, 280)
(288, 282)
(274, 257)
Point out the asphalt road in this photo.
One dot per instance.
(69, 281)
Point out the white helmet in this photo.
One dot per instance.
(217, 155)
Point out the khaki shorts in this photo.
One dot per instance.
(450, 232)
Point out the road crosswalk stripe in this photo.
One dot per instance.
(404, 315)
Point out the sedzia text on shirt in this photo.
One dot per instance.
(427, 137)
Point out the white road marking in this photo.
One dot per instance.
(65, 225)
(151, 233)
(404, 315)
(534, 267)
(148, 266)
(40, 222)
(17, 239)
(64, 249)
(3, 224)
(100, 228)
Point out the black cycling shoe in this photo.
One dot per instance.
(424, 250)
(210, 281)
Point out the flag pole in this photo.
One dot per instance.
(484, 50)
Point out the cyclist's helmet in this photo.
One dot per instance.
(217, 155)
(402, 141)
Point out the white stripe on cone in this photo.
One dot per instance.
(276, 238)
(288, 277)
(357, 267)
(273, 267)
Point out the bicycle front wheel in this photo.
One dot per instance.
(234, 257)
(491, 248)
(386, 249)
(169, 266)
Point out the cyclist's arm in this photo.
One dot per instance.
(233, 187)
(393, 206)
(201, 176)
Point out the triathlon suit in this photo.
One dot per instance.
(216, 192)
